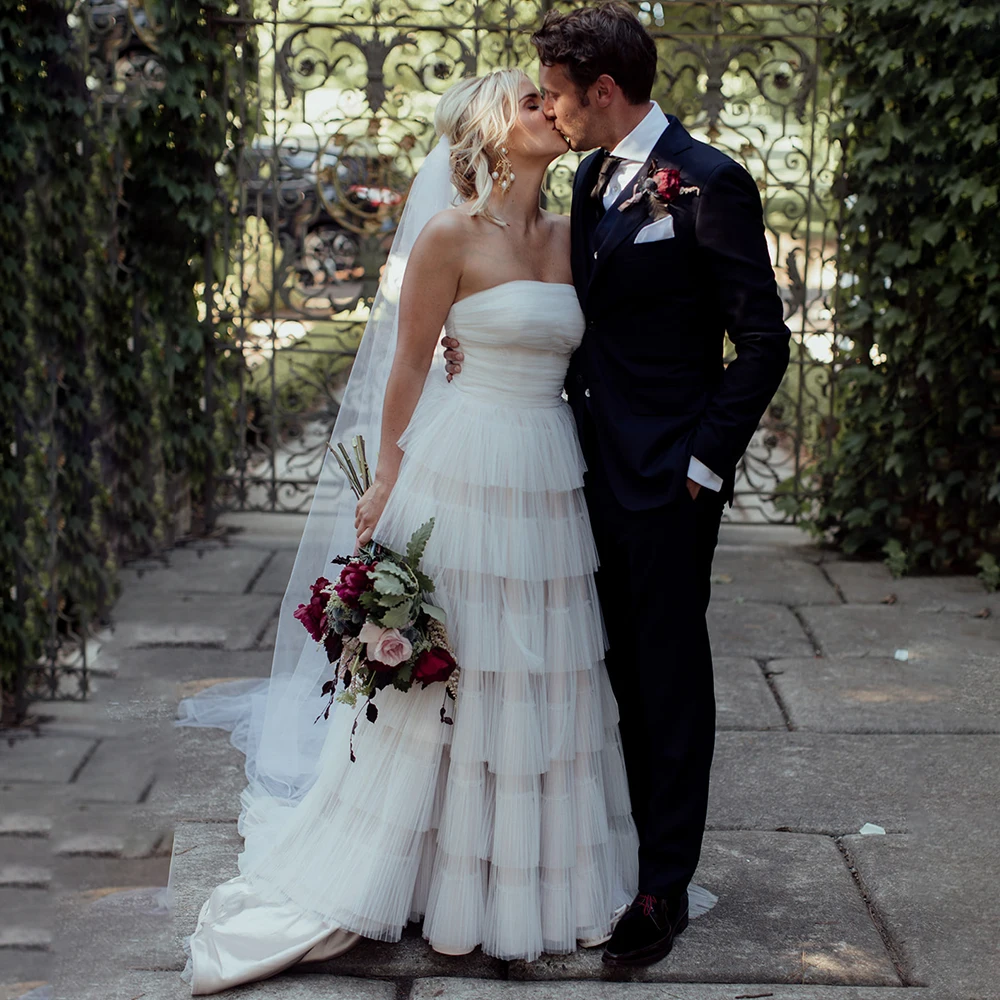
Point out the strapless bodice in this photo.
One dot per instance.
(517, 339)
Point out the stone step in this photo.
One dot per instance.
(789, 911)
(477, 989)
(170, 986)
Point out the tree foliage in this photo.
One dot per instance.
(915, 472)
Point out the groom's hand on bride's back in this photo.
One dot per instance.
(453, 356)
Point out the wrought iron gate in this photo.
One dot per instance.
(336, 101)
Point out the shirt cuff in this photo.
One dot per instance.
(703, 475)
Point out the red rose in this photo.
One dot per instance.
(354, 581)
(668, 183)
(313, 614)
(434, 665)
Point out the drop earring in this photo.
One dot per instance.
(504, 172)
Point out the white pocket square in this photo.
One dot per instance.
(662, 229)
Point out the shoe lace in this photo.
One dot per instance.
(647, 903)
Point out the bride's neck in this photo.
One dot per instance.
(518, 206)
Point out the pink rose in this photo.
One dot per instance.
(386, 646)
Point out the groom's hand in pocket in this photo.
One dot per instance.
(453, 356)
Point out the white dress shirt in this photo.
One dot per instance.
(634, 150)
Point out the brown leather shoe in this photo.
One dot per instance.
(646, 933)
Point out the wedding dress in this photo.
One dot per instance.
(510, 828)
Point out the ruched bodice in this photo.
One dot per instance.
(517, 339)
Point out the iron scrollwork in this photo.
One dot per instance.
(341, 108)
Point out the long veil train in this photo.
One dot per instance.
(272, 721)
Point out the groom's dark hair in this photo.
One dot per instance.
(591, 41)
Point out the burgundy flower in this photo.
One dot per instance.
(668, 183)
(313, 614)
(354, 581)
(434, 665)
(381, 668)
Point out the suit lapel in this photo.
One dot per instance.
(616, 225)
(582, 217)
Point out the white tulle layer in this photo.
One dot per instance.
(511, 828)
(488, 446)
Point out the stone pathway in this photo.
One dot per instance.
(822, 729)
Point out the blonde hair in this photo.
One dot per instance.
(476, 116)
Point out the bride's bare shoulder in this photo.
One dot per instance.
(445, 238)
(449, 224)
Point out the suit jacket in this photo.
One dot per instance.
(648, 376)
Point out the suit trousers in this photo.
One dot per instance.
(654, 584)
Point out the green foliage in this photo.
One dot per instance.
(915, 471)
(109, 208)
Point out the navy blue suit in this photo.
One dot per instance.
(649, 390)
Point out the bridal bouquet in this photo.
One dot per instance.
(374, 623)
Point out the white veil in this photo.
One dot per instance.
(273, 722)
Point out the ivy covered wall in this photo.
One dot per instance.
(109, 202)
(915, 472)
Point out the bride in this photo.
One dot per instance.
(511, 828)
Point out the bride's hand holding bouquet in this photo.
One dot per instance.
(374, 623)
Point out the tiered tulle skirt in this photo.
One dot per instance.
(511, 828)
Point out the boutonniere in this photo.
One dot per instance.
(661, 187)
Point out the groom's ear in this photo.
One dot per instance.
(603, 90)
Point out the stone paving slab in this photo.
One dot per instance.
(21, 972)
(270, 531)
(742, 698)
(275, 576)
(477, 989)
(145, 617)
(835, 783)
(52, 759)
(741, 575)
(939, 904)
(781, 540)
(170, 986)
(123, 770)
(231, 569)
(880, 695)
(788, 911)
(872, 583)
(880, 630)
(207, 779)
(760, 631)
(17, 824)
(117, 927)
(21, 876)
(270, 634)
(155, 666)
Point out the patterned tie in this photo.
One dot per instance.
(608, 167)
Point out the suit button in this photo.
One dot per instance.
(595, 255)
(579, 380)
(586, 392)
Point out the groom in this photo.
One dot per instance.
(668, 255)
